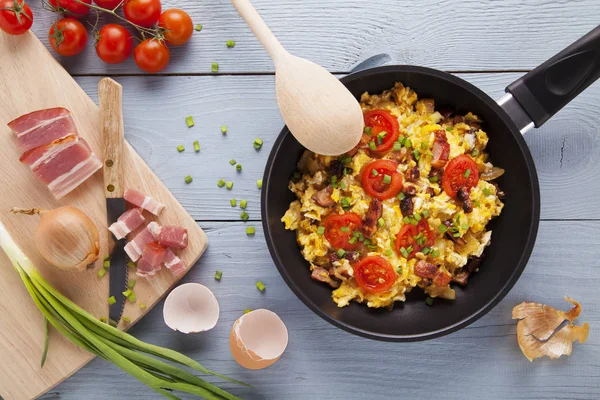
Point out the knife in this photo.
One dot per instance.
(111, 125)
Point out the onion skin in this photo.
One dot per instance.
(66, 237)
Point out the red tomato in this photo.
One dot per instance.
(71, 7)
(15, 17)
(67, 37)
(177, 25)
(114, 44)
(375, 185)
(409, 236)
(460, 172)
(380, 121)
(333, 230)
(110, 4)
(374, 274)
(151, 55)
(142, 12)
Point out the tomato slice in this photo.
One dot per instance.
(336, 232)
(374, 274)
(374, 182)
(415, 236)
(460, 172)
(380, 121)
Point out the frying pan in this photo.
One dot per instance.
(529, 102)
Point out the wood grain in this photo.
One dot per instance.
(112, 131)
(566, 149)
(323, 362)
(457, 35)
(21, 324)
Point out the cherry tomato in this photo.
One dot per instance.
(15, 17)
(417, 237)
(110, 4)
(151, 55)
(375, 183)
(114, 44)
(177, 25)
(142, 12)
(336, 232)
(71, 7)
(374, 274)
(382, 121)
(460, 172)
(68, 37)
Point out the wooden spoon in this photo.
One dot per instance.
(317, 108)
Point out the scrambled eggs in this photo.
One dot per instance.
(439, 206)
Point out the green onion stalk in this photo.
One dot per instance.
(125, 351)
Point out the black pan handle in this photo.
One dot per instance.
(549, 87)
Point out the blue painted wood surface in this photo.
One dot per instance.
(490, 44)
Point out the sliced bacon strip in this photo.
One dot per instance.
(372, 216)
(140, 200)
(135, 248)
(441, 149)
(174, 263)
(42, 127)
(127, 223)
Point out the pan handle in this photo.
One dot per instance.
(545, 90)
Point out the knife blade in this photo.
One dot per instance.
(111, 125)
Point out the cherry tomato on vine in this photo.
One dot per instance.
(114, 44)
(151, 55)
(110, 4)
(68, 37)
(142, 12)
(71, 7)
(15, 17)
(177, 25)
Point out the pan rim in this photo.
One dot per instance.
(485, 308)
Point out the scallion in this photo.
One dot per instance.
(321, 230)
(475, 153)
(189, 120)
(429, 301)
(131, 264)
(387, 179)
(223, 129)
(467, 173)
(368, 131)
(449, 129)
(374, 172)
(260, 286)
(425, 213)
(111, 300)
(372, 145)
(243, 204)
(397, 146)
(247, 310)
(188, 179)
(404, 252)
(417, 217)
(340, 253)
(198, 28)
(416, 154)
(345, 229)
(230, 43)
(131, 284)
(218, 275)
(424, 146)
(435, 253)
(126, 320)
(258, 143)
(388, 252)
(442, 228)
(259, 183)
(238, 167)
(486, 191)
(180, 148)
(244, 216)
(106, 264)
(433, 179)
(401, 196)
(214, 67)
(127, 293)
(196, 146)
(232, 162)
(229, 185)
(353, 240)
(221, 183)
(233, 202)
(101, 272)
(380, 222)
(408, 143)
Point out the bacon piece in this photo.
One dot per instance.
(426, 270)
(145, 269)
(372, 217)
(323, 197)
(413, 174)
(322, 275)
(173, 236)
(174, 263)
(362, 144)
(142, 201)
(407, 206)
(441, 279)
(441, 149)
(63, 164)
(41, 127)
(135, 248)
(463, 195)
(127, 223)
(398, 156)
(154, 254)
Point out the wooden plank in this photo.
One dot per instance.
(327, 363)
(451, 35)
(566, 149)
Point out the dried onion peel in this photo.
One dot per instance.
(536, 329)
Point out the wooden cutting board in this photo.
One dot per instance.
(31, 79)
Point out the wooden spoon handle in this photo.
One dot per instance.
(111, 126)
(260, 29)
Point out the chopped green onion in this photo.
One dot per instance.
(416, 154)
(425, 213)
(449, 129)
(435, 253)
(372, 145)
(401, 140)
(433, 179)
(142, 305)
(221, 183)
(476, 203)
(126, 320)
(180, 148)
(388, 253)
(406, 219)
(223, 129)
(340, 253)
(229, 185)
(188, 179)
(131, 284)
(442, 228)
(457, 234)
(196, 146)
(131, 264)
(414, 222)
(232, 162)
(345, 229)
(356, 234)
(238, 167)
(368, 130)
(258, 143)
(467, 173)
(408, 143)
(387, 179)
(334, 179)
(380, 222)
(198, 27)
(132, 298)
(475, 153)
(233, 202)
(397, 146)
(106, 264)
(243, 203)
(361, 237)
(101, 272)
(346, 160)
(230, 43)
(321, 230)
(345, 202)
(353, 240)
(259, 183)
(417, 217)
(247, 310)
(429, 301)
(189, 120)
(107, 258)
(381, 135)
(260, 286)
(218, 275)
(464, 227)
(127, 293)
(296, 176)
(374, 172)
(343, 185)
(399, 270)
(425, 250)
(404, 252)
(367, 242)
(401, 196)
(111, 300)
(244, 216)
(486, 191)
(214, 68)
(424, 146)
(103, 319)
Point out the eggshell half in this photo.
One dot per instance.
(191, 308)
(258, 339)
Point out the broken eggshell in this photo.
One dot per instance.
(258, 339)
(191, 308)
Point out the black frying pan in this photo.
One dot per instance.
(530, 101)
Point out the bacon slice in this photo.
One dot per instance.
(63, 164)
(174, 264)
(127, 223)
(140, 200)
(173, 236)
(441, 149)
(135, 248)
(154, 254)
(145, 269)
(42, 127)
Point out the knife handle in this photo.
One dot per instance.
(113, 136)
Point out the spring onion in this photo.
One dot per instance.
(467, 173)
(346, 160)
(196, 146)
(131, 264)
(372, 145)
(442, 228)
(345, 202)
(258, 143)
(433, 179)
(106, 264)
(380, 222)
(464, 227)
(230, 43)
(397, 146)
(243, 204)
(435, 253)
(132, 297)
(198, 28)
(429, 301)
(189, 120)
(46, 341)
(126, 320)
(238, 167)
(229, 185)
(408, 143)
(448, 129)
(425, 213)
(416, 154)
(101, 272)
(401, 140)
(353, 240)
(127, 293)
(250, 230)
(233, 202)
(247, 310)
(387, 179)
(368, 130)
(214, 68)
(103, 319)
(404, 252)
(244, 216)
(321, 230)
(232, 162)
(111, 300)
(223, 129)
(259, 183)
(401, 196)
(221, 183)
(345, 229)
(406, 220)
(260, 286)
(131, 284)
(374, 172)
(218, 275)
(417, 217)
(142, 305)
(340, 253)
(188, 179)
(424, 146)
(425, 250)
(388, 252)
(486, 191)
(475, 153)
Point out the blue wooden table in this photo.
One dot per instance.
(487, 43)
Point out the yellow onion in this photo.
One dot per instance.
(65, 237)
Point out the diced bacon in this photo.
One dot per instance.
(145, 202)
(173, 236)
(174, 264)
(128, 222)
(42, 127)
(135, 248)
(63, 164)
(154, 254)
(145, 269)
(179, 268)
